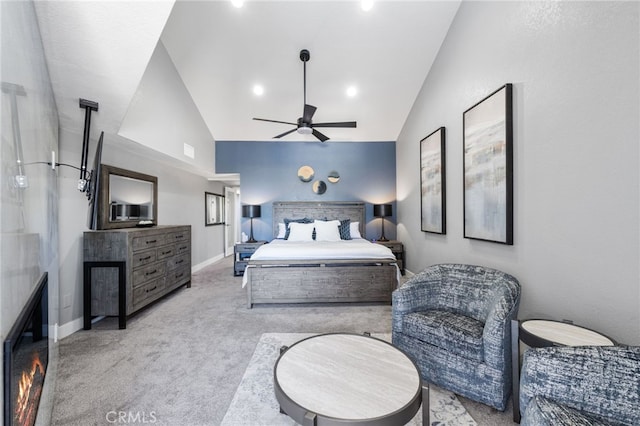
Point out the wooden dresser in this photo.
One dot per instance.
(156, 261)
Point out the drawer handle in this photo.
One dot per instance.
(180, 275)
(166, 252)
(179, 261)
(145, 258)
(150, 272)
(151, 289)
(178, 237)
(152, 241)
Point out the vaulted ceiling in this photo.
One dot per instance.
(221, 52)
(99, 50)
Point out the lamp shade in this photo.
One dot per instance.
(251, 211)
(382, 210)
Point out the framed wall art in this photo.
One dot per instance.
(433, 183)
(488, 168)
(213, 209)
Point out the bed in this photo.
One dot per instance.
(329, 276)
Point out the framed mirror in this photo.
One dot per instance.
(213, 209)
(126, 198)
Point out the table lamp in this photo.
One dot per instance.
(382, 210)
(251, 211)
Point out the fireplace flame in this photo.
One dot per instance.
(24, 410)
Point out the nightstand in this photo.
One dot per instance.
(397, 249)
(242, 253)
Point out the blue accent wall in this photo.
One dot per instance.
(269, 172)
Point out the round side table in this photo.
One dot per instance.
(538, 333)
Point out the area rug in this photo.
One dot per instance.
(255, 404)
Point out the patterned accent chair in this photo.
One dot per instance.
(587, 385)
(454, 321)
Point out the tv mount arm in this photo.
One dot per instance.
(88, 106)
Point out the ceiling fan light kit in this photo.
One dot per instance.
(305, 124)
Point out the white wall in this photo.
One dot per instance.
(163, 117)
(575, 71)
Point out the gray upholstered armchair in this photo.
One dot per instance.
(454, 322)
(588, 385)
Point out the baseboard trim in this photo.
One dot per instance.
(207, 262)
(67, 329)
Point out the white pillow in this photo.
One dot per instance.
(327, 230)
(354, 229)
(282, 231)
(300, 231)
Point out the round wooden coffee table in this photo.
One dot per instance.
(339, 379)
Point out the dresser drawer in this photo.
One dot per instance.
(166, 251)
(179, 276)
(148, 241)
(147, 292)
(142, 275)
(183, 247)
(184, 235)
(142, 258)
(179, 261)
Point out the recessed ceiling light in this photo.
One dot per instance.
(352, 91)
(366, 5)
(237, 3)
(258, 90)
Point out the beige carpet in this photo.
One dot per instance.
(183, 358)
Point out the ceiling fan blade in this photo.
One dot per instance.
(309, 110)
(275, 121)
(285, 133)
(339, 124)
(320, 136)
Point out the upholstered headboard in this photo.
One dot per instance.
(327, 210)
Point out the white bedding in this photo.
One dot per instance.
(308, 250)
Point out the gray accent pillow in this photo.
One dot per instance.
(345, 229)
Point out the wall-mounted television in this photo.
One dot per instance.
(93, 187)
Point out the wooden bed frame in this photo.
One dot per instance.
(321, 280)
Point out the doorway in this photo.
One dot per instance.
(231, 218)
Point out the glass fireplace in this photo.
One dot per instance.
(26, 355)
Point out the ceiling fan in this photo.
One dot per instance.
(305, 124)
